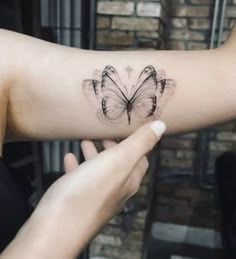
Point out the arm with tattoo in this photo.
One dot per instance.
(56, 92)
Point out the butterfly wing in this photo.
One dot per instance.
(148, 77)
(112, 111)
(93, 91)
(150, 93)
(112, 85)
(165, 89)
(143, 95)
(108, 95)
(114, 102)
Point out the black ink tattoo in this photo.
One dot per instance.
(115, 102)
(129, 70)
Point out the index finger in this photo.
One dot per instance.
(142, 141)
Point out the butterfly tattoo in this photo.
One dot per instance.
(140, 102)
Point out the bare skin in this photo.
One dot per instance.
(42, 97)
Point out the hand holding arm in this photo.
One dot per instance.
(81, 202)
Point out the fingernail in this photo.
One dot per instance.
(158, 127)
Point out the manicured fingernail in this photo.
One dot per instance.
(158, 127)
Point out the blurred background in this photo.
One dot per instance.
(185, 208)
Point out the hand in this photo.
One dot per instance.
(78, 204)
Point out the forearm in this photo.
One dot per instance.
(51, 234)
(48, 100)
(56, 231)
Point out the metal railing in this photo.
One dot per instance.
(70, 23)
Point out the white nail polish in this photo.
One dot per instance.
(158, 127)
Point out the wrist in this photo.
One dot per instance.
(45, 235)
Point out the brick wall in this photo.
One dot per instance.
(190, 23)
(179, 199)
(180, 25)
(130, 24)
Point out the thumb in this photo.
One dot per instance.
(142, 140)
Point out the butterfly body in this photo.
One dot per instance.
(129, 110)
(128, 106)
(115, 101)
